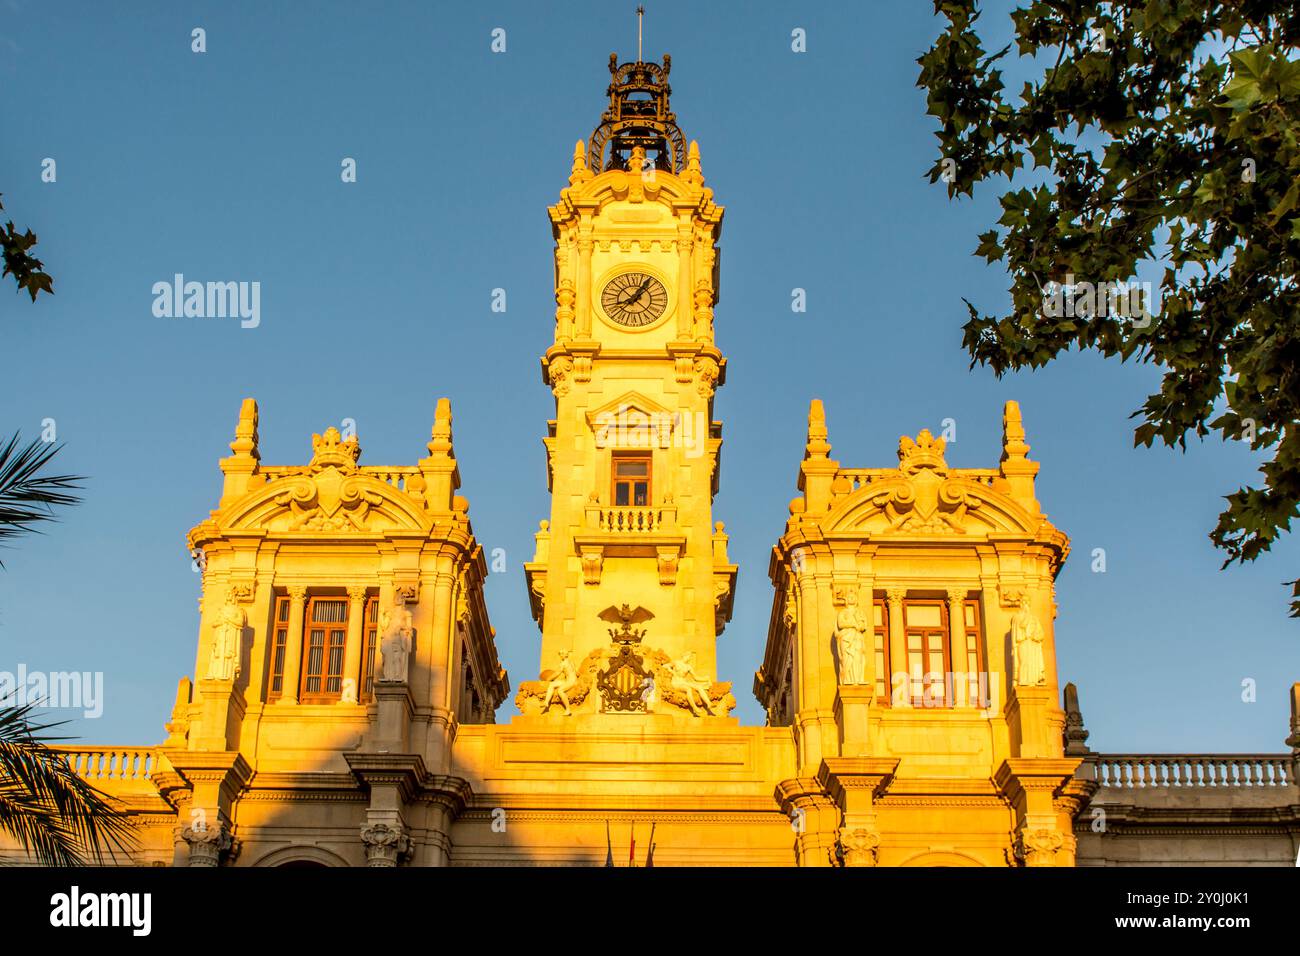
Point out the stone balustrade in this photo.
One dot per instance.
(127, 772)
(395, 476)
(1130, 771)
(630, 520)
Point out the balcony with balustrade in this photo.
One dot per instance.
(1185, 809)
(639, 531)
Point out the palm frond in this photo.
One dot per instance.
(59, 818)
(26, 496)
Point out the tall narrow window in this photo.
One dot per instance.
(880, 623)
(279, 641)
(631, 481)
(368, 655)
(926, 628)
(976, 679)
(327, 634)
(469, 692)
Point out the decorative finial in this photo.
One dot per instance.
(1076, 736)
(640, 13)
(441, 436)
(580, 172)
(439, 469)
(694, 172)
(636, 161)
(818, 445)
(1013, 433)
(1015, 467)
(245, 443)
(241, 468)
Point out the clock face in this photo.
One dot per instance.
(634, 299)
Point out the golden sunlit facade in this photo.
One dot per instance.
(343, 706)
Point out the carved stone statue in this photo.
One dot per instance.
(228, 633)
(563, 682)
(395, 643)
(851, 642)
(532, 693)
(1027, 639)
(690, 684)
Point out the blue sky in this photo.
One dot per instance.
(376, 300)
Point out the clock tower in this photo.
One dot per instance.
(630, 563)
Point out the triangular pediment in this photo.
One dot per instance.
(632, 420)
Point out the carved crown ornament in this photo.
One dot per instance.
(924, 496)
(330, 494)
(332, 450)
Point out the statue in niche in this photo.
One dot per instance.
(228, 634)
(851, 642)
(396, 628)
(692, 686)
(563, 681)
(1027, 639)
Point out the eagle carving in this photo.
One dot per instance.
(626, 616)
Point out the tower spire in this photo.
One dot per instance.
(639, 114)
(640, 13)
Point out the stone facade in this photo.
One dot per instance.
(343, 705)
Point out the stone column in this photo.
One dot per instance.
(207, 843)
(853, 783)
(356, 637)
(442, 634)
(813, 817)
(685, 287)
(386, 843)
(1042, 834)
(897, 647)
(293, 646)
(585, 244)
(957, 647)
(808, 673)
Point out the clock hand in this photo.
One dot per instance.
(639, 292)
